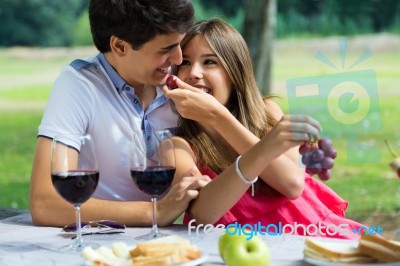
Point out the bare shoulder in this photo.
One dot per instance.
(182, 145)
(180, 142)
(273, 107)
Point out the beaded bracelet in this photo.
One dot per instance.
(243, 178)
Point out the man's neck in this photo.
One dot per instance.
(146, 95)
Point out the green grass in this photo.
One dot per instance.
(18, 132)
(361, 174)
(364, 180)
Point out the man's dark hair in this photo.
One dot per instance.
(137, 21)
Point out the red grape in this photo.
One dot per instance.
(331, 153)
(327, 163)
(318, 155)
(324, 144)
(171, 82)
(313, 171)
(325, 174)
(306, 159)
(306, 146)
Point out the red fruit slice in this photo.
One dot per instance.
(171, 82)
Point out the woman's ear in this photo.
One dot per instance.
(118, 46)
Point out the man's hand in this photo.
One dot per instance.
(177, 200)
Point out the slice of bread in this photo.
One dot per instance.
(380, 248)
(337, 252)
(164, 251)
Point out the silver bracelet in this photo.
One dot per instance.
(239, 173)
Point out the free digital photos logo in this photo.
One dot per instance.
(345, 102)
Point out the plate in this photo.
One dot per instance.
(195, 262)
(328, 263)
(108, 255)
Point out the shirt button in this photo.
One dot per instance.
(135, 101)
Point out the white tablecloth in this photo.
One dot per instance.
(22, 244)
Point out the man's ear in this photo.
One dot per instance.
(118, 45)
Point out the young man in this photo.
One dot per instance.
(109, 96)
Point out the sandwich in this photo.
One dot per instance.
(379, 248)
(335, 252)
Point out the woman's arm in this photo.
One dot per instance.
(225, 190)
(284, 173)
(49, 209)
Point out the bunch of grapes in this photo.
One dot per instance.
(318, 156)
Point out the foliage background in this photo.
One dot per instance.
(37, 37)
(65, 23)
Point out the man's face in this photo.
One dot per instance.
(151, 64)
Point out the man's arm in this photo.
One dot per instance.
(49, 209)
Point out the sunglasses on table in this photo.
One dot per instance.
(102, 224)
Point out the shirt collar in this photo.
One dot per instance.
(116, 79)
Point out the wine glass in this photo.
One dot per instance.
(152, 166)
(75, 175)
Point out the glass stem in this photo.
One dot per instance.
(78, 240)
(154, 229)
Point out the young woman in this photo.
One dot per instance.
(257, 178)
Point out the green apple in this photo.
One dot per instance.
(243, 249)
(243, 252)
(227, 238)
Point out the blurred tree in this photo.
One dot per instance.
(229, 7)
(38, 22)
(82, 34)
(258, 31)
(328, 17)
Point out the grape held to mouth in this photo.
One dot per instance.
(318, 156)
(171, 82)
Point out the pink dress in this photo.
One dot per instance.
(319, 211)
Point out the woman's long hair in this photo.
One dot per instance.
(245, 102)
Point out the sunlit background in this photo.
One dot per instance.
(324, 54)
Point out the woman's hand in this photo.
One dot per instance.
(177, 200)
(193, 103)
(291, 131)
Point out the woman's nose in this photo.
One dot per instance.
(196, 71)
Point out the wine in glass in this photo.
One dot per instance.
(75, 175)
(152, 166)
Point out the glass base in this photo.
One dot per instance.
(73, 248)
(150, 236)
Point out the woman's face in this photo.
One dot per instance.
(201, 68)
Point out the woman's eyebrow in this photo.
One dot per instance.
(207, 55)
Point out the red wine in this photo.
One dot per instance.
(154, 180)
(77, 186)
